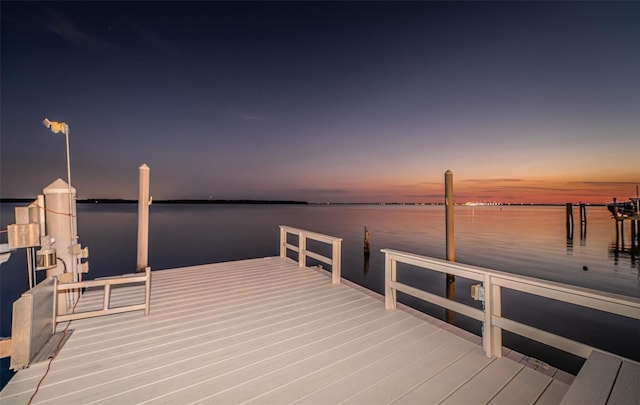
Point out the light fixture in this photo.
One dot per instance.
(57, 127)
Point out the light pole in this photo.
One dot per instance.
(57, 127)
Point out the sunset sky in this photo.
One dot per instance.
(324, 102)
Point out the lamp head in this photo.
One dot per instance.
(56, 126)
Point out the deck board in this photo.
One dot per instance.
(627, 388)
(263, 331)
(526, 387)
(553, 394)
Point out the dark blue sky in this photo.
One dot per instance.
(342, 102)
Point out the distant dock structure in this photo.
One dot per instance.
(570, 221)
(626, 211)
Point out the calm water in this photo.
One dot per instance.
(524, 240)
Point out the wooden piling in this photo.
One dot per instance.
(143, 218)
(569, 220)
(367, 244)
(583, 221)
(448, 202)
(367, 252)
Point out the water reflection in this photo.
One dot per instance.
(367, 251)
(518, 239)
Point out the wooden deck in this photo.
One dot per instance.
(266, 331)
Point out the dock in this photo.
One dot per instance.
(266, 331)
(274, 331)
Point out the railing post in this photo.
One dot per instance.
(147, 290)
(302, 249)
(55, 304)
(107, 295)
(336, 259)
(496, 300)
(491, 335)
(283, 242)
(389, 275)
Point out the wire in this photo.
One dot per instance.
(54, 212)
(54, 355)
(64, 270)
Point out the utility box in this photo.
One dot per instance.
(23, 235)
(27, 215)
(32, 323)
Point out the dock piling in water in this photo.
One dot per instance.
(367, 244)
(569, 220)
(143, 218)
(583, 221)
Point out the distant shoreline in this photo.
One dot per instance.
(282, 202)
(178, 201)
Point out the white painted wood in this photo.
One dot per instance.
(390, 294)
(487, 383)
(258, 330)
(336, 263)
(494, 310)
(626, 389)
(492, 317)
(301, 385)
(595, 380)
(449, 379)
(467, 310)
(525, 388)
(143, 218)
(568, 345)
(319, 257)
(553, 394)
(120, 305)
(303, 235)
(368, 378)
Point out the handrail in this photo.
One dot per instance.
(490, 294)
(336, 249)
(107, 283)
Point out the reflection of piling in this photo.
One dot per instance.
(448, 202)
(569, 220)
(367, 251)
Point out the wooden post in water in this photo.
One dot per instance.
(451, 256)
(367, 251)
(583, 220)
(617, 222)
(569, 220)
(143, 218)
(367, 244)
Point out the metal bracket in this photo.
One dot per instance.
(477, 292)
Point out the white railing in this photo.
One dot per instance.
(303, 253)
(490, 293)
(106, 283)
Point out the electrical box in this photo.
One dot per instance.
(27, 215)
(23, 235)
(477, 292)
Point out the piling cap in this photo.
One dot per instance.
(58, 187)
